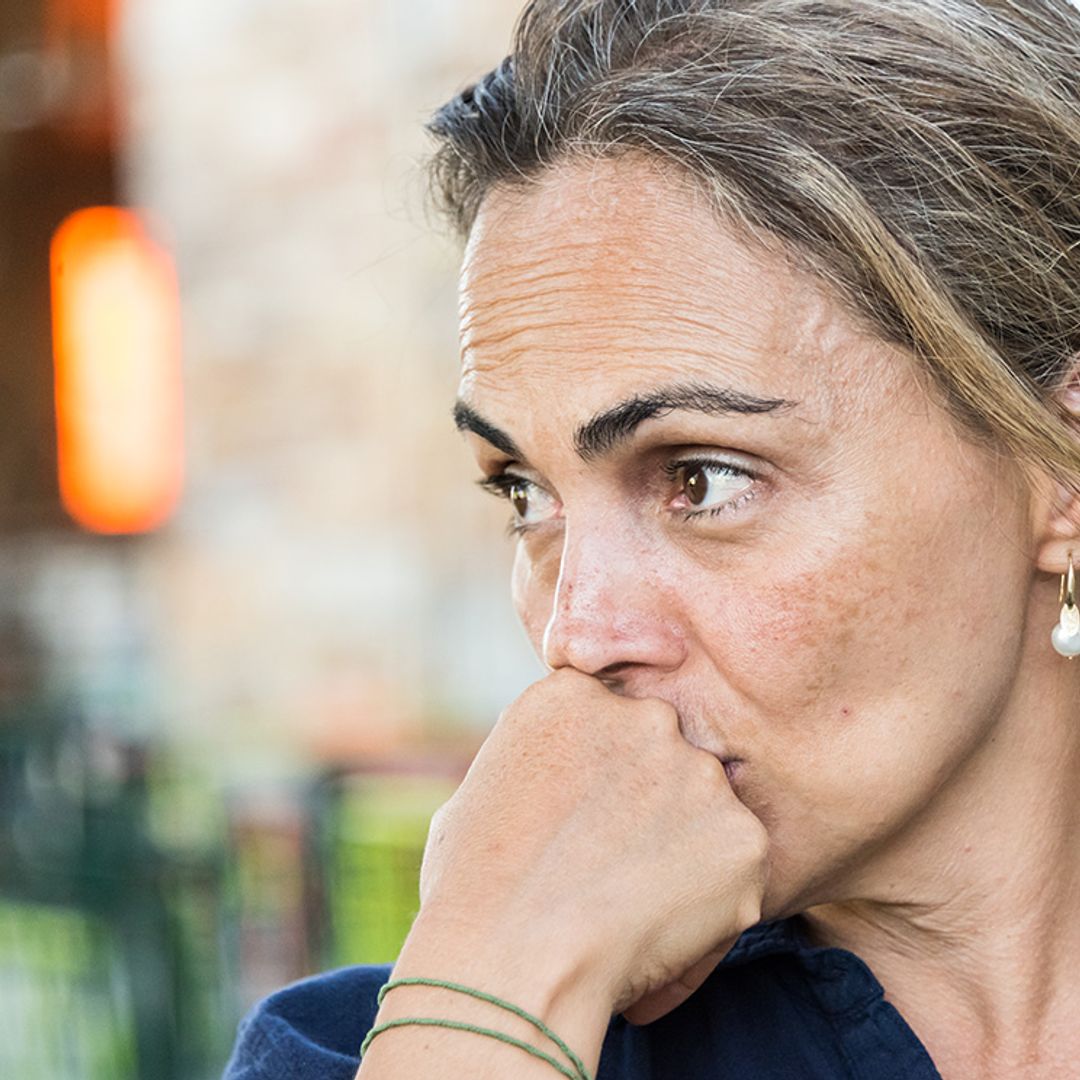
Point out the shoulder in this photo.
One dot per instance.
(757, 1013)
(312, 1028)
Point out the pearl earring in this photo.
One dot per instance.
(1066, 634)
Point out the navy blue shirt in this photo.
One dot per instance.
(776, 1008)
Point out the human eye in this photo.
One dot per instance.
(529, 502)
(709, 486)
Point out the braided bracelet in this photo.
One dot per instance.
(458, 1025)
(493, 1000)
(581, 1072)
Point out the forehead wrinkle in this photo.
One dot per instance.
(638, 305)
(510, 288)
(739, 316)
(544, 257)
(530, 258)
(512, 264)
(589, 340)
(665, 306)
(564, 291)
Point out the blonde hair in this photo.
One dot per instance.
(920, 156)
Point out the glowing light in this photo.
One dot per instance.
(116, 344)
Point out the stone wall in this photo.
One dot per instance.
(332, 577)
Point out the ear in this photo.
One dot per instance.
(1058, 520)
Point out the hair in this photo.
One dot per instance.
(922, 157)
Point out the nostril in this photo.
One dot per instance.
(614, 670)
(611, 676)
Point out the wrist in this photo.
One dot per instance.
(540, 973)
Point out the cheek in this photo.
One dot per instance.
(837, 647)
(800, 633)
(865, 666)
(803, 613)
(812, 709)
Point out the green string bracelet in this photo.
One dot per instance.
(581, 1074)
(493, 1000)
(429, 1021)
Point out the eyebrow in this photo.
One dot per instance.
(608, 429)
(466, 418)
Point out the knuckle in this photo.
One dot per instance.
(532, 696)
(567, 680)
(660, 716)
(704, 774)
(756, 840)
(757, 832)
(748, 910)
(549, 698)
(437, 824)
(711, 769)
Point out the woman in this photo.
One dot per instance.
(771, 341)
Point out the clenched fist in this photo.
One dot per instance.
(587, 821)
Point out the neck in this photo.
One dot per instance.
(970, 918)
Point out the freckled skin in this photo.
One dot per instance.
(862, 630)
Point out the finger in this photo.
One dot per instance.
(660, 1002)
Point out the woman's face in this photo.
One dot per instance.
(731, 498)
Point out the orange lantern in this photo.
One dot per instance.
(116, 344)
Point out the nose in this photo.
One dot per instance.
(611, 608)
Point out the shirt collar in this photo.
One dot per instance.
(765, 939)
(841, 981)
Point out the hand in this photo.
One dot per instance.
(587, 819)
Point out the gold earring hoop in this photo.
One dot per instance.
(1066, 633)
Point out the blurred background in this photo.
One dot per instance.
(254, 617)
